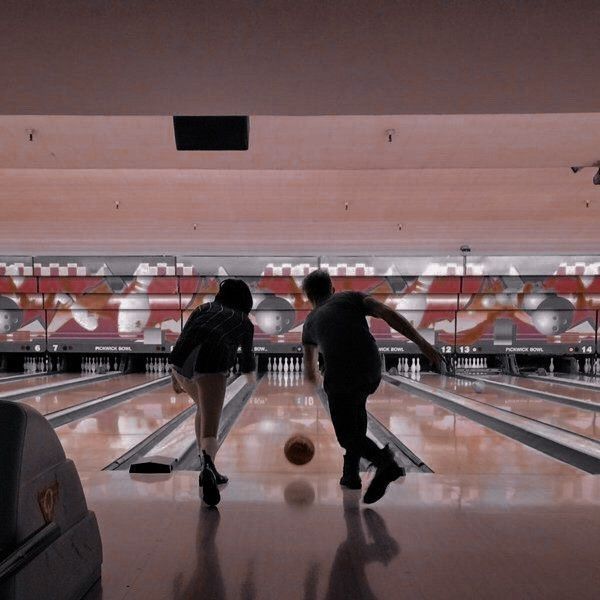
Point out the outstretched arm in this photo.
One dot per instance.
(396, 321)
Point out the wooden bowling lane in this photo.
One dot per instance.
(577, 420)
(451, 443)
(282, 405)
(22, 384)
(95, 441)
(577, 393)
(59, 400)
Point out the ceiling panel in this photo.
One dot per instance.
(510, 211)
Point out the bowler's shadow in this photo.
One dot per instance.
(207, 582)
(348, 579)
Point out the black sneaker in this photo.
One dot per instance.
(221, 479)
(388, 470)
(351, 476)
(208, 482)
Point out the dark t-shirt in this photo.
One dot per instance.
(339, 328)
(209, 341)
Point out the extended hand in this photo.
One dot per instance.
(438, 362)
(176, 387)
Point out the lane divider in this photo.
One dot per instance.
(54, 387)
(559, 398)
(10, 378)
(588, 385)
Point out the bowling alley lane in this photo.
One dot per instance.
(577, 393)
(282, 405)
(95, 441)
(52, 401)
(451, 443)
(577, 420)
(22, 384)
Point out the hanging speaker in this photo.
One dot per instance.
(211, 133)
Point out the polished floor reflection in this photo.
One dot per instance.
(432, 536)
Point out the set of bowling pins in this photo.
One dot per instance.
(286, 379)
(34, 364)
(294, 365)
(472, 364)
(405, 367)
(98, 364)
(590, 367)
(157, 365)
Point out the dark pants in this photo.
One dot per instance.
(348, 409)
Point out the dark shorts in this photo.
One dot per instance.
(352, 388)
(206, 359)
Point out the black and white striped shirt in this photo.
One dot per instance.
(209, 341)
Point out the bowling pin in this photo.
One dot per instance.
(551, 367)
(285, 365)
(413, 368)
(418, 365)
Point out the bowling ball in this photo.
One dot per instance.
(541, 371)
(299, 449)
(479, 386)
(275, 315)
(553, 316)
(11, 316)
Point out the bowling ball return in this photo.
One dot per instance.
(50, 544)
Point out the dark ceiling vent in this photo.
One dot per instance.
(211, 133)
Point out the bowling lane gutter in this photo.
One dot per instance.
(382, 435)
(236, 397)
(54, 387)
(576, 450)
(560, 399)
(84, 409)
(564, 381)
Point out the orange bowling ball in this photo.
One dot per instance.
(299, 449)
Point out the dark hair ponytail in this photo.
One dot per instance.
(235, 293)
